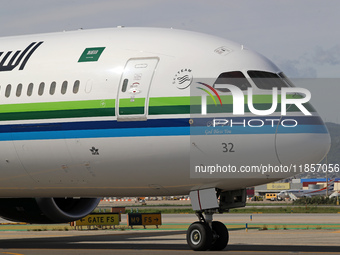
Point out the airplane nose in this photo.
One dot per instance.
(306, 143)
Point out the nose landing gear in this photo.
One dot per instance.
(207, 234)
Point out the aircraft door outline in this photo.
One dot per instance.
(133, 91)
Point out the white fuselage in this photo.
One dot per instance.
(101, 139)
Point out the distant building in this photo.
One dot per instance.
(277, 187)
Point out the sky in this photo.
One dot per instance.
(302, 37)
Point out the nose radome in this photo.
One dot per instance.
(304, 144)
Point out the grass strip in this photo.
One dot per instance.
(250, 210)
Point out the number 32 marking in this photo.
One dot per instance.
(228, 147)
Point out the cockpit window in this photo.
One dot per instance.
(267, 80)
(236, 78)
(286, 80)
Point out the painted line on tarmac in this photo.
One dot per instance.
(11, 253)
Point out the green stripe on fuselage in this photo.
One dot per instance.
(80, 113)
(67, 109)
(192, 105)
(134, 106)
(157, 106)
(57, 106)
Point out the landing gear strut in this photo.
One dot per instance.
(207, 234)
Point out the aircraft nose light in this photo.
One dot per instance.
(306, 147)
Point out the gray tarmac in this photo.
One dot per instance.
(253, 241)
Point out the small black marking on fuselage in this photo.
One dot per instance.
(94, 151)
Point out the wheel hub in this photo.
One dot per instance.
(195, 237)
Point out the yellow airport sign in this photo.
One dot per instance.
(278, 186)
(104, 219)
(151, 219)
(144, 219)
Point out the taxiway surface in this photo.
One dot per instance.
(158, 241)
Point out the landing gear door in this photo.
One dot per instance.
(133, 94)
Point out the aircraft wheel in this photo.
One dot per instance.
(199, 236)
(222, 236)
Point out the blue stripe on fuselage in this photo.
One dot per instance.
(152, 127)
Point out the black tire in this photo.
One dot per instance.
(199, 236)
(221, 231)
